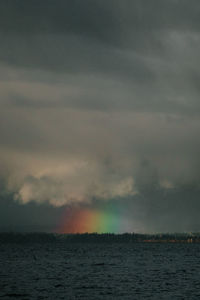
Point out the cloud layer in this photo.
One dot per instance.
(99, 101)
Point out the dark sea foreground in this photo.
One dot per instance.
(64, 269)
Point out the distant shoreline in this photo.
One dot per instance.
(100, 237)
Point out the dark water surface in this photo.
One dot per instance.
(99, 271)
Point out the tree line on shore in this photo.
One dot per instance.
(17, 237)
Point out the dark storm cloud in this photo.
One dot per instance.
(100, 100)
(103, 20)
(30, 217)
(37, 30)
(150, 48)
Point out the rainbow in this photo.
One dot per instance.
(90, 221)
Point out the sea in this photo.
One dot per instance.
(92, 270)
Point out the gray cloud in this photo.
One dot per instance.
(99, 104)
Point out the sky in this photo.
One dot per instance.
(99, 112)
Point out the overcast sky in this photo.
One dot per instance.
(99, 107)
